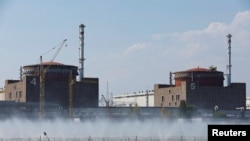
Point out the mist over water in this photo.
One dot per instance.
(61, 128)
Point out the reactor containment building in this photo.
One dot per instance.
(55, 83)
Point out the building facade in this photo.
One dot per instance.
(202, 88)
(248, 103)
(60, 86)
(2, 95)
(141, 99)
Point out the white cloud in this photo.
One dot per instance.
(144, 64)
(215, 28)
(208, 47)
(213, 38)
(242, 20)
(158, 36)
(136, 47)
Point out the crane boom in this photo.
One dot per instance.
(58, 50)
(106, 101)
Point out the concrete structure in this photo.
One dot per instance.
(142, 99)
(53, 82)
(61, 86)
(2, 96)
(81, 52)
(202, 88)
(248, 103)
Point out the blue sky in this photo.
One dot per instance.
(129, 45)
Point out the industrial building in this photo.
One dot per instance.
(141, 99)
(58, 82)
(248, 103)
(202, 88)
(54, 83)
(199, 87)
(2, 96)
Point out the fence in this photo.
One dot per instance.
(130, 138)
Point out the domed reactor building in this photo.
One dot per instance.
(52, 83)
(202, 88)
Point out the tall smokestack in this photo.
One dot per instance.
(81, 53)
(229, 63)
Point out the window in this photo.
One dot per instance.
(9, 95)
(172, 97)
(162, 98)
(20, 94)
(177, 97)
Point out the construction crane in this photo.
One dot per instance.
(106, 101)
(107, 105)
(58, 50)
(42, 72)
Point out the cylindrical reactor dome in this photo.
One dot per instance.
(52, 70)
(202, 76)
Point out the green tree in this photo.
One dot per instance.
(186, 111)
(182, 109)
(219, 114)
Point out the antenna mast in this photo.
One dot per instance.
(229, 65)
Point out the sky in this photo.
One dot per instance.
(130, 45)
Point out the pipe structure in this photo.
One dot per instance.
(81, 53)
(229, 60)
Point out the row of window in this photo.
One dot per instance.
(177, 97)
(170, 104)
(18, 94)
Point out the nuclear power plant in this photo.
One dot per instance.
(54, 84)
(53, 87)
(200, 87)
(203, 88)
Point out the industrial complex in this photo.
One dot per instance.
(54, 85)
(201, 87)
